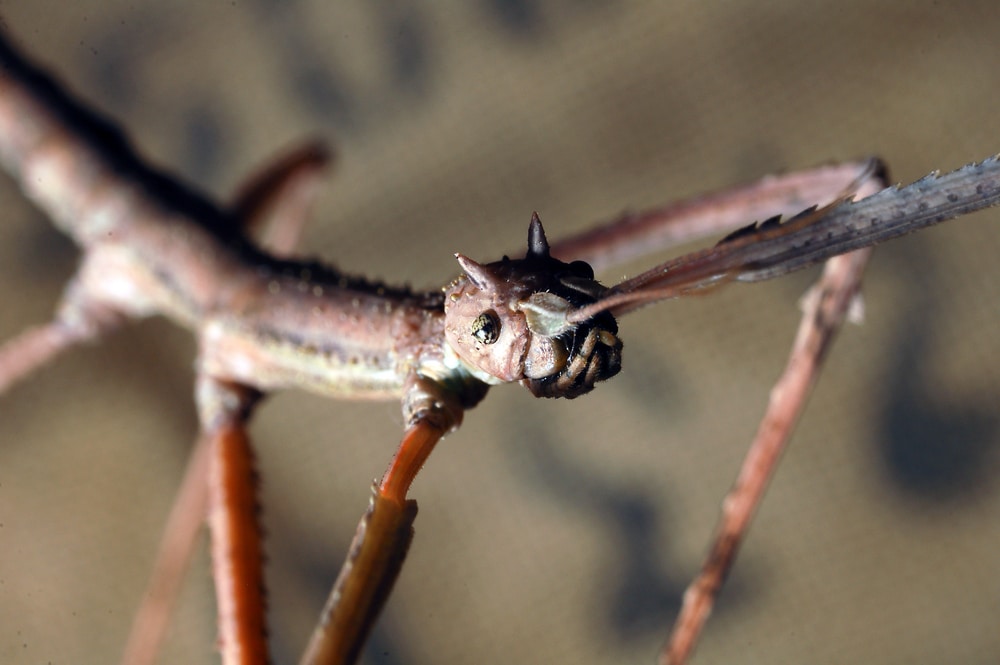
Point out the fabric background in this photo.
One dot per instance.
(560, 532)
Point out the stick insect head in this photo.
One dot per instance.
(508, 321)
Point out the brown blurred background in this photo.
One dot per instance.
(560, 532)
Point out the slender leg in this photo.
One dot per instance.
(22, 355)
(384, 534)
(635, 235)
(274, 203)
(825, 308)
(187, 516)
(375, 557)
(237, 552)
(78, 319)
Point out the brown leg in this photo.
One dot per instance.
(635, 235)
(149, 626)
(220, 474)
(826, 307)
(274, 203)
(375, 557)
(237, 552)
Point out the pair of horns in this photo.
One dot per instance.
(538, 248)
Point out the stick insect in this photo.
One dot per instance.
(536, 242)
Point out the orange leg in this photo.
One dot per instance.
(233, 509)
(237, 557)
(375, 557)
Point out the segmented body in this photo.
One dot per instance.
(263, 322)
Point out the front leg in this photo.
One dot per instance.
(383, 537)
(635, 235)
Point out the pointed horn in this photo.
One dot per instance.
(538, 246)
(476, 271)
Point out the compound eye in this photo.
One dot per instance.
(486, 327)
(582, 268)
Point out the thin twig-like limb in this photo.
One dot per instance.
(635, 235)
(375, 557)
(233, 511)
(79, 319)
(22, 355)
(274, 204)
(237, 555)
(187, 516)
(416, 447)
(825, 308)
(373, 563)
